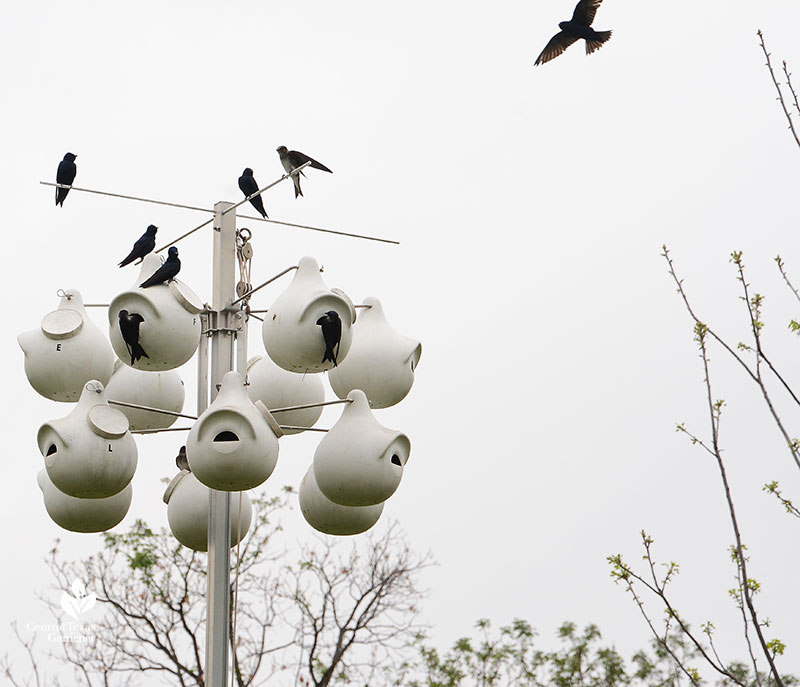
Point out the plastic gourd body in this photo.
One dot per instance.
(291, 335)
(90, 453)
(380, 362)
(170, 331)
(330, 518)
(162, 390)
(187, 512)
(67, 351)
(277, 388)
(83, 515)
(233, 446)
(359, 462)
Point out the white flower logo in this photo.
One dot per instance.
(79, 601)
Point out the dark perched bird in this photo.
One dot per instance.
(249, 186)
(67, 169)
(332, 334)
(166, 272)
(577, 27)
(129, 327)
(181, 460)
(144, 244)
(292, 159)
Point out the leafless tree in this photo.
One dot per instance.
(153, 593)
(764, 373)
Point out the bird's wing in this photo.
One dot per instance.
(298, 159)
(585, 11)
(65, 173)
(558, 44)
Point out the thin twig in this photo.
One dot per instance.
(778, 88)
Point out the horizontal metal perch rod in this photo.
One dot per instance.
(309, 405)
(121, 195)
(261, 190)
(261, 286)
(188, 233)
(305, 429)
(154, 410)
(207, 222)
(167, 429)
(325, 231)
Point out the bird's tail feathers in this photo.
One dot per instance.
(137, 352)
(329, 355)
(596, 43)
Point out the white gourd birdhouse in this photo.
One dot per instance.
(162, 390)
(170, 328)
(233, 445)
(277, 388)
(359, 462)
(291, 335)
(380, 362)
(90, 453)
(67, 351)
(330, 518)
(187, 512)
(83, 515)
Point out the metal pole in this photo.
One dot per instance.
(219, 532)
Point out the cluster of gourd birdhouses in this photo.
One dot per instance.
(90, 455)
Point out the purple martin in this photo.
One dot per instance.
(332, 334)
(67, 169)
(144, 244)
(249, 186)
(129, 327)
(292, 159)
(576, 28)
(167, 272)
(181, 460)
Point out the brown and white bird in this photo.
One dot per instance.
(576, 28)
(292, 159)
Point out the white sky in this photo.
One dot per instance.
(531, 206)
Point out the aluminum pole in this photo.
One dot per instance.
(219, 531)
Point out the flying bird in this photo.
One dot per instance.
(576, 28)
(67, 169)
(144, 244)
(292, 159)
(129, 327)
(181, 460)
(249, 186)
(332, 334)
(166, 272)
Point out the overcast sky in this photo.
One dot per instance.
(530, 204)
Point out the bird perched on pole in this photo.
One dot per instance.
(129, 327)
(67, 169)
(331, 334)
(292, 159)
(144, 245)
(576, 28)
(249, 186)
(167, 272)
